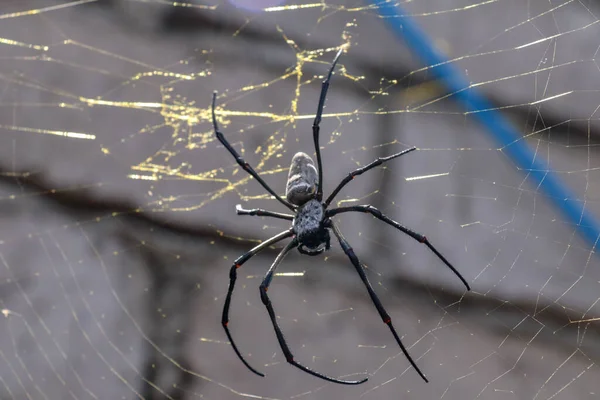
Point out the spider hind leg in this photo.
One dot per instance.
(317, 122)
(241, 162)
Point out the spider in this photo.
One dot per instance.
(310, 234)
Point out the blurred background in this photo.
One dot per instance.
(117, 203)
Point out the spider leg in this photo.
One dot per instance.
(417, 236)
(316, 128)
(361, 171)
(262, 213)
(241, 161)
(232, 278)
(384, 315)
(264, 286)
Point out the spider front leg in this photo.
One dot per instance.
(384, 315)
(232, 278)
(417, 236)
(240, 160)
(264, 286)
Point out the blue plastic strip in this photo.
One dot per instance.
(509, 139)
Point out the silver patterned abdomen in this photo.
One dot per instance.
(302, 179)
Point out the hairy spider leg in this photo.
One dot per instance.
(384, 315)
(232, 278)
(317, 121)
(417, 236)
(262, 213)
(242, 163)
(264, 286)
(361, 171)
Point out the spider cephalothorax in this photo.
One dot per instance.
(311, 223)
(311, 229)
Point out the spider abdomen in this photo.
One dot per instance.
(302, 179)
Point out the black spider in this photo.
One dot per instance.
(311, 223)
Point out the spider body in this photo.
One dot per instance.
(309, 224)
(310, 231)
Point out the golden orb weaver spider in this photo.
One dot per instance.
(311, 223)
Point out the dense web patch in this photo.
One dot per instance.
(118, 201)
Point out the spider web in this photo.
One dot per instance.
(118, 222)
